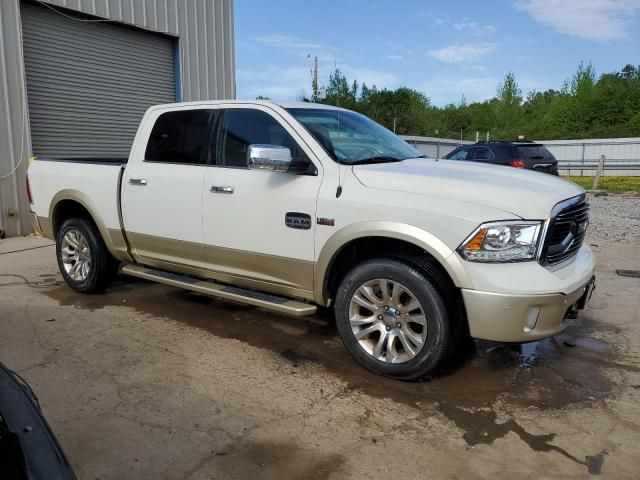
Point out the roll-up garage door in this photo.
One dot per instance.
(89, 83)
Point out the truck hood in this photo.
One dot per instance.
(529, 195)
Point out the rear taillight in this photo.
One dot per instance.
(29, 191)
(517, 163)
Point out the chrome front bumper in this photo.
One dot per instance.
(521, 318)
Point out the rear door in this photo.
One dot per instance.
(259, 225)
(482, 154)
(162, 190)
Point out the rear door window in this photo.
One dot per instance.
(482, 153)
(461, 154)
(180, 137)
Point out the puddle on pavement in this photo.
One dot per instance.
(568, 369)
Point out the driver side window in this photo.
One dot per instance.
(240, 128)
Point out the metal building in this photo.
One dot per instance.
(77, 75)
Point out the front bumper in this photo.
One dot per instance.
(524, 316)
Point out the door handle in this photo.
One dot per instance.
(137, 181)
(221, 189)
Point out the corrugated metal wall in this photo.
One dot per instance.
(89, 84)
(207, 62)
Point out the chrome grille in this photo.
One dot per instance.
(566, 231)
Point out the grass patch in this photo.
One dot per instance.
(611, 184)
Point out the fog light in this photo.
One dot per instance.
(532, 318)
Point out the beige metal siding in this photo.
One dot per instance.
(207, 62)
(12, 100)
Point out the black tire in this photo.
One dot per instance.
(439, 337)
(103, 268)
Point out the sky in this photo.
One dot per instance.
(443, 49)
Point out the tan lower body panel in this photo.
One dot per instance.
(43, 224)
(278, 304)
(120, 245)
(517, 318)
(270, 273)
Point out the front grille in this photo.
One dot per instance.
(566, 231)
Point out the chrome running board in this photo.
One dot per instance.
(226, 292)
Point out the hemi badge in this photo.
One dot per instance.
(329, 222)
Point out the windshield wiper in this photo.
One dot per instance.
(377, 159)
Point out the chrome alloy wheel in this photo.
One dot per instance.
(388, 321)
(76, 255)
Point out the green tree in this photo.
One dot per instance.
(586, 106)
(507, 106)
(338, 92)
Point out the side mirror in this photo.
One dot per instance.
(269, 157)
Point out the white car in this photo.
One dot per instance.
(289, 206)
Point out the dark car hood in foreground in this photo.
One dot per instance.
(28, 448)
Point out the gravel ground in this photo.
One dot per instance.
(615, 217)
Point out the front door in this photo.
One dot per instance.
(162, 192)
(259, 225)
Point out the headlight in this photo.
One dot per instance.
(509, 241)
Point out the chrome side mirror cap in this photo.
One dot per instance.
(269, 157)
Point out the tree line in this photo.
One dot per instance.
(586, 106)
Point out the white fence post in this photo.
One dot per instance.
(596, 179)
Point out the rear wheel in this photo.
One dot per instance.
(83, 258)
(392, 319)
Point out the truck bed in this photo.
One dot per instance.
(92, 181)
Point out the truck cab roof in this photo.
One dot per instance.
(285, 105)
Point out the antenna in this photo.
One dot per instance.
(339, 189)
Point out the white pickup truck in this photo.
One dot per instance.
(290, 206)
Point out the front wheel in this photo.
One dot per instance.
(392, 319)
(83, 258)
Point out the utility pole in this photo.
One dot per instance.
(314, 80)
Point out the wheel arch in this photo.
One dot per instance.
(385, 235)
(74, 204)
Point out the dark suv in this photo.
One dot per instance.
(518, 154)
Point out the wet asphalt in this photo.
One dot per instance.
(565, 407)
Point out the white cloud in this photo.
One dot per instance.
(284, 41)
(443, 90)
(474, 28)
(276, 82)
(370, 77)
(462, 52)
(298, 46)
(286, 83)
(592, 19)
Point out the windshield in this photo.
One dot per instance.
(351, 138)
